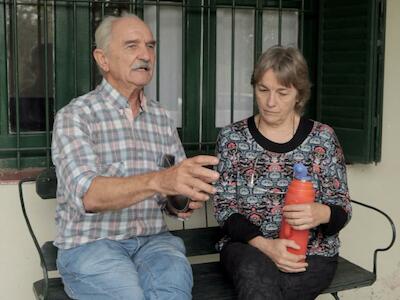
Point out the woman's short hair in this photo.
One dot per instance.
(290, 69)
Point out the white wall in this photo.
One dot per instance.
(377, 185)
(372, 184)
(19, 263)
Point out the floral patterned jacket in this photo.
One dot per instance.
(255, 173)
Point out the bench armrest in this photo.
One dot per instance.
(393, 232)
(35, 241)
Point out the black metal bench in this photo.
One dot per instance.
(209, 281)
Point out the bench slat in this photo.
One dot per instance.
(55, 291)
(349, 276)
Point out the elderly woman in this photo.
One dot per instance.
(256, 165)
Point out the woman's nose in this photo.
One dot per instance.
(271, 99)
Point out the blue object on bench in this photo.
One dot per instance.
(200, 241)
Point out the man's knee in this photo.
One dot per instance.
(177, 280)
(164, 270)
(174, 271)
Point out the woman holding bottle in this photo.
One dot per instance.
(256, 166)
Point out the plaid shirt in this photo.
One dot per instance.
(96, 135)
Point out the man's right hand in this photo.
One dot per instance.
(189, 178)
(276, 250)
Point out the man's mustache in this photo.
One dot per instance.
(141, 64)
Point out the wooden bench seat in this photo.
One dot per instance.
(209, 281)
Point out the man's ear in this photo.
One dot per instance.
(101, 59)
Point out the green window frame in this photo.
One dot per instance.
(350, 74)
(326, 37)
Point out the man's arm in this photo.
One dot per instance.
(90, 191)
(188, 178)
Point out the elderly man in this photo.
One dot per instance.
(108, 147)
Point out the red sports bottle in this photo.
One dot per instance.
(300, 191)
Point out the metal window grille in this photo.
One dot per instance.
(46, 61)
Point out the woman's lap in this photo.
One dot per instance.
(255, 275)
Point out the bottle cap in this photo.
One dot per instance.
(300, 172)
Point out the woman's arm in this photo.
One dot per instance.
(333, 210)
(224, 200)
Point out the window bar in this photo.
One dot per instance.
(91, 44)
(208, 65)
(301, 33)
(208, 62)
(3, 68)
(46, 84)
(54, 58)
(183, 66)
(12, 149)
(158, 48)
(258, 30)
(102, 13)
(233, 59)
(183, 74)
(201, 95)
(280, 23)
(74, 30)
(16, 81)
(39, 17)
(139, 8)
(258, 34)
(132, 6)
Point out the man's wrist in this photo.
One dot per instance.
(154, 182)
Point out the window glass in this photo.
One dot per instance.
(290, 28)
(244, 59)
(169, 50)
(242, 64)
(27, 62)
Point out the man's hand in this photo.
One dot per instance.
(306, 216)
(189, 178)
(276, 250)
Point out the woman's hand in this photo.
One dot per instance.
(306, 216)
(276, 250)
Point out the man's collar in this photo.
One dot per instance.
(143, 101)
(118, 99)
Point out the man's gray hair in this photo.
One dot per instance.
(103, 31)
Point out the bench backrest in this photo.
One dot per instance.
(46, 184)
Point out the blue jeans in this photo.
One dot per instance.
(149, 267)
